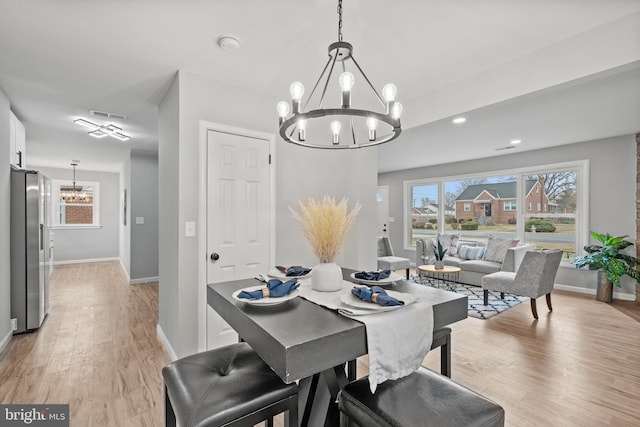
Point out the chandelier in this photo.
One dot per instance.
(73, 194)
(325, 125)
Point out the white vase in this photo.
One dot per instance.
(439, 265)
(326, 277)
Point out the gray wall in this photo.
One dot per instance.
(144, 204)
(612, 191)
(124, 243)
(93, 243)
(300, 173)
(5, 286)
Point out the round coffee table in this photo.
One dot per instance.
(442, 276)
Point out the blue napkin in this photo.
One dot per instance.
(294, 270)
(373, 275)
(382, 298)
(277, 288)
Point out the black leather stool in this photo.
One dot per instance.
(228, 386)
(442, 339)
(424, 398)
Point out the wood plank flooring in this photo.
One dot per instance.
(98, 351)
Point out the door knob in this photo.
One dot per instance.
(215, 257)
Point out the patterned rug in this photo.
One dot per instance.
(476, 299)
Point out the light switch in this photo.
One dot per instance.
(139, 220)
(189, 229)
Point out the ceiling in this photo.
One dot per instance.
(546, 72)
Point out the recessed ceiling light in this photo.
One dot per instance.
(228, 42)
(459, 120)
(515, 141)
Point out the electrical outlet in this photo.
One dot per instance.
(14, 324)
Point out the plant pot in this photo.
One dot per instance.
(439, 265)
(604, 290)
(326, 277)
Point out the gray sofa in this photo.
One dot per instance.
(471, 270)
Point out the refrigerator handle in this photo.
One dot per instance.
(41, 237)
(19, 159)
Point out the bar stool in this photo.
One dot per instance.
(424, 398)
(228, 386)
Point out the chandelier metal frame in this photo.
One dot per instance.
(339, 52)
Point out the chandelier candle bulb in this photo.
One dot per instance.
(396, 111)
(297, 90)
(346, 81)
(372, 124)
(283, 111)
(302, 125)
(336, 126)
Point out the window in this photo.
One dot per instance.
(424, 211)
(510, 206)
(558, 191)
(75, 206)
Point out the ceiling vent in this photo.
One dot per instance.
(107, 115)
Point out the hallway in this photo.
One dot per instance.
(97, 350)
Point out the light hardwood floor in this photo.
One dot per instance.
(98, 351)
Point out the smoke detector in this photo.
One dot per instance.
(228, 42)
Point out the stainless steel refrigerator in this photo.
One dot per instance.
(31, 249)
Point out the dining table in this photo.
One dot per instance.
(307, 343)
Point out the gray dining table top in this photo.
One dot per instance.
(299, 338)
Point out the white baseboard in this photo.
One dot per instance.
(165, 343)
(616, 295)
(5, 341)
(83, 261)
(124, 269)
(144, 280)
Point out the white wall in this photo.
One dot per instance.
(612, 192)
(144, 204)
(300, 173)
(95, 243)
(5, 279)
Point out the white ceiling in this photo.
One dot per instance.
(547, 72)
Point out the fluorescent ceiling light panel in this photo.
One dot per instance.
(98, 134)
(86, 123)
(120, 136)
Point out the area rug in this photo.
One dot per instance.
(476, 300)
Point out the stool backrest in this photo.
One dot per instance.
(537, 273)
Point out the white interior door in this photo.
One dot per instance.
(382, 199)
(238, 216)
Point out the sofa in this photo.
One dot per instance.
(470, 257)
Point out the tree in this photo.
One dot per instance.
(556, 183)
(462, 185)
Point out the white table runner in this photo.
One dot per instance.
(397, 340)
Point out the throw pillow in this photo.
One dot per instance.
(497, 248)
(471, 252)
(449, 242)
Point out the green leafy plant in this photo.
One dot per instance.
(439, 251)
(541, 225)
(608, 258)
(469, 225)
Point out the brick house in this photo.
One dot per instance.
(497, 201)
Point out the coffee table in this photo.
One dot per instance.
(440, 276)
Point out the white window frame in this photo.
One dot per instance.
(467, 207)
(55, 203)
(512, 206)
(581, 167)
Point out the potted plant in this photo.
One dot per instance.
(439, 253)
(326, 223)
(610, 263)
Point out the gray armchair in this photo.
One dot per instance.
(387, 260)
(534, 278)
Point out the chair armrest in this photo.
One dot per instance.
(424, 251)
(514, 256)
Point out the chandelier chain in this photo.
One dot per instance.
(340, 20)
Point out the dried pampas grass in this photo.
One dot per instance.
(325, 224)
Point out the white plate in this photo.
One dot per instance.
(277, 274)
(393, 277)
(264, 301)
(353, 301)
